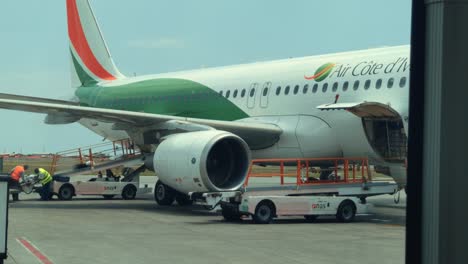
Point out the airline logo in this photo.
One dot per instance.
(322, 72)
(363, 68)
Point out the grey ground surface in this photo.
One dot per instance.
(94, 230)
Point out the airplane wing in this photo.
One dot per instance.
(35, 99)
(257, 135)
(363, 109)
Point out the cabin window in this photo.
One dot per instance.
(335, 87)
(278, 90)
(228, 93)
(315, 88)
(356, 85)
(252, 92)
(325, 87)
(243, 93)
(296, 89)
(265, 91)
(367, 84)
(390, 83)
(305, 89)
(378, 84)
(286, 90)
(235, 93)
(345, 86)
(402, 82)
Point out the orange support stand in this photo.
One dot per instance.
(346, 170)
(298, 173)
(282, 172)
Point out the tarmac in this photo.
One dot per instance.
(89, 229)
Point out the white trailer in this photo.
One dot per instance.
(108, 189)
(306, 188)
(264, 208)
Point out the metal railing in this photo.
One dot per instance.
(305, 171)
(93, 155)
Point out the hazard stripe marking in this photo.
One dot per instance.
(34, 250)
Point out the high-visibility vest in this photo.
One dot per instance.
(17, 172)
(47, 177)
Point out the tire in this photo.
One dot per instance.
(264, 212)
(129, 192)
(310, 218)
(346, 211)
(163, 194)
(183, 199)
(230, 216)
(108, 196)
(66, 192)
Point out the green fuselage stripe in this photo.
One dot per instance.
(176, 97)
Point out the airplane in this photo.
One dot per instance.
(199, 129)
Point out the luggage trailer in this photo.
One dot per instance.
(339, 189)
(108, 189)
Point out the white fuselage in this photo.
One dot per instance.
(295, 111)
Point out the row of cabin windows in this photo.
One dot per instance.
(334, 87)
(344, 87)
(236, 93)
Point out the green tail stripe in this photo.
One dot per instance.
(84, 77)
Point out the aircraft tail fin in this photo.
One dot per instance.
(90, 58)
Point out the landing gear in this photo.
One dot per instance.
(231, 213)
(183, 200)
(163, 194)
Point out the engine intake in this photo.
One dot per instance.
(202, 161)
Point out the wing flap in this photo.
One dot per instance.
(363, 109)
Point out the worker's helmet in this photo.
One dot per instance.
(25, 166)
(36, 170)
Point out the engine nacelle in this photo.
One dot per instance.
(205, 161)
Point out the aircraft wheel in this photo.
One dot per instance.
(183, 199)
(163, 194)
(66, 192)
(129, 192)
(346, 211)
(264, 212)
(229, 216)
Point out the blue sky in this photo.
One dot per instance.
(149, 36)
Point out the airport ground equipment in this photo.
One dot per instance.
(106, 187)
(302, 183)
(89, 160)
(264, 208)
(3, 216)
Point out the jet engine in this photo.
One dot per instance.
(204, 161)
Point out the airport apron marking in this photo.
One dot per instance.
(34, 250)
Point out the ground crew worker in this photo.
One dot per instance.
(46, 180)
(16, 174)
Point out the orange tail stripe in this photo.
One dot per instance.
(80, 43)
